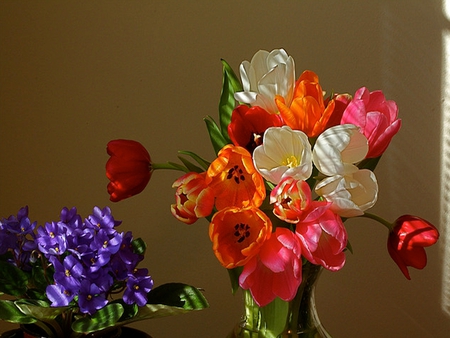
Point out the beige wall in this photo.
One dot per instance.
(74, 75)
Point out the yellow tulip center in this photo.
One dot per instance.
(291, 161)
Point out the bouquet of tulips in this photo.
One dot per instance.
(293, 163)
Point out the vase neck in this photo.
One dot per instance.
(295, 319)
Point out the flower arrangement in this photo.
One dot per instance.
(66, 274)
(292, 165)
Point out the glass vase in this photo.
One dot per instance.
(297, 318)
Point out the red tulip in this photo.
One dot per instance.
(248, 125)
(407, 240)
(129, 169)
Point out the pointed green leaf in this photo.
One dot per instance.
(217, 139)
(13, 281)
(179, 295)
(102, 319)
(234, 278)
(201, 161)
(227, 103)
(10, 312)
(178, 167)
(191, 166)
(38, 309)
(166, 300)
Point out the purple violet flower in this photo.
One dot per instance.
(102, 219)
(51, 239)
(90, 259)
(90, 298)
(58, 295)
(69, 273)
(138, 286)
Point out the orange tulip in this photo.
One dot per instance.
(238, 234)
(193, 198)
(234, 179)
(307, 111)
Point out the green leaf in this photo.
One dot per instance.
(13, 281)
(369, 163)
(166, 300)
(234, 278)
(139, 246)
(190, 165)
(38, 309)
(102, 319)
(38, 276)
(202, 162)
(178, 167)
(10, 312)
(349, 247)
(129, 311)
(274, 315)
(227, 103)
(178, 295)
(217, 139)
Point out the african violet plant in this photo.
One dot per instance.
(72, 277)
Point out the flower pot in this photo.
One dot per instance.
(121, 332)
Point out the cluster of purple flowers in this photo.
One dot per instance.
(91, 260)
(18, 238)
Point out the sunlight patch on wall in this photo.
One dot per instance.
(445, 161)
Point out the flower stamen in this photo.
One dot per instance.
(242, 231)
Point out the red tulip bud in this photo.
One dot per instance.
(128, 169)
(407, 240)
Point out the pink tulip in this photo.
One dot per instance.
(291, 198)
(323, 237)
(375, 116)
(276, 270)
(407, 240)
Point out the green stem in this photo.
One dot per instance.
(169, 165)
(378, 219)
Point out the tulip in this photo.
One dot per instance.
(129, 169)
(237, 234)
(407, 240)
(248, 125)
(341, 102)
(307, 111)
(375, 116)
(193, 198)
(284, 153)
(276, 270)
(234, 180)
(323, 237)
(267, 75)
(350, 194)
(291, 198)
(338, 148)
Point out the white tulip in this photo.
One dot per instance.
(284, 152)
(268, 74)
(351, 194)
(338, 148)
